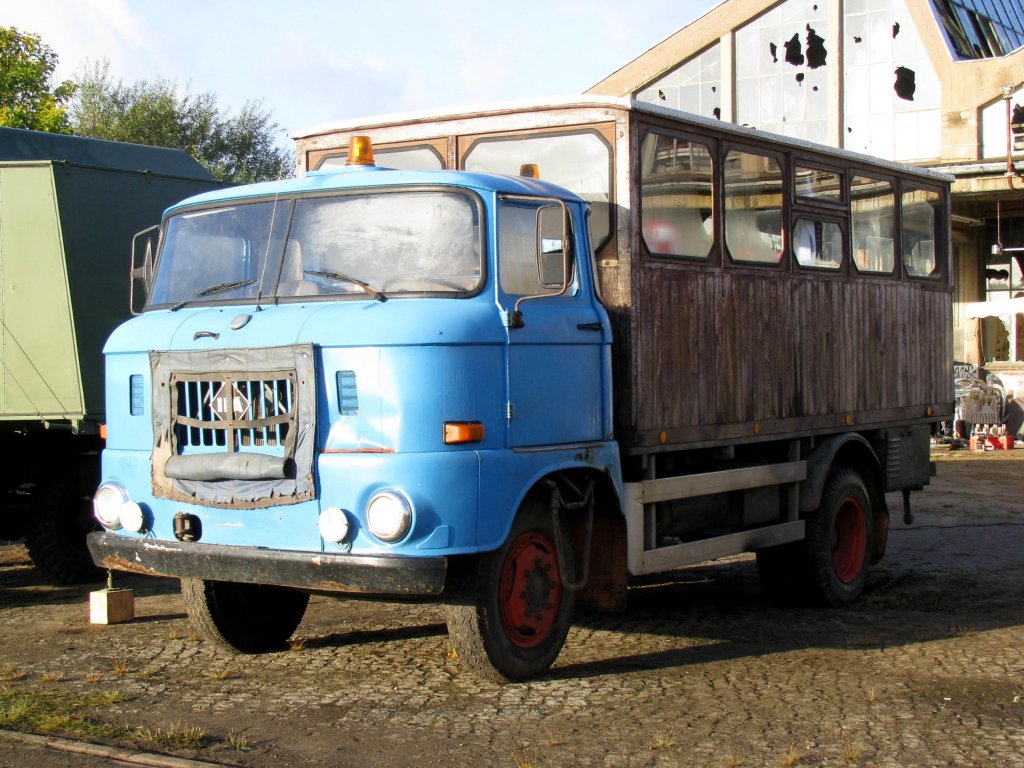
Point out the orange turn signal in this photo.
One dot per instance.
(463, 432)
(360, 151)
(103, 431)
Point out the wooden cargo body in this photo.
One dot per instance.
(716, 351)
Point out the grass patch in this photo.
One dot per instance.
(239, 741)
(663, 741)
(178, 736)
(55, 711)
(791, 758)
(851, 754)
(9, 674)
(72, 715)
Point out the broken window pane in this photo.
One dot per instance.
(782, 60)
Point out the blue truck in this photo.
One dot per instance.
(420, 384)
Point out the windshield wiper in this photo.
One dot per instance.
(337, 277)
(218, 288)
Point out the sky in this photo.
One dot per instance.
(312, 62)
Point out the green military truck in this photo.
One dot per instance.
(69, 208)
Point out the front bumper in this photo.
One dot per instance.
(314, 571)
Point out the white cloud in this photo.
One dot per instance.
(90, 30)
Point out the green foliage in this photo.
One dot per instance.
(27, 99)
(236, 149)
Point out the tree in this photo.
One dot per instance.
(27, 98)
(236, 149)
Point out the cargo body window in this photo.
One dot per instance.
(402, 158)
(873, 207)
(818, 185)
(753, 208)
(919, 216)
(818, 244)
(677, 194)
(580, 162)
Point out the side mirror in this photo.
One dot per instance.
(144, 246)
(554, 257)
(554, 263)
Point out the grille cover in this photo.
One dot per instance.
(234, 427)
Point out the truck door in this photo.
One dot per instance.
(555, 332)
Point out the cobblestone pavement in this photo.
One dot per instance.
(926, 670)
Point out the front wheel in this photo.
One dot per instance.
(251, 618)
(508, 611)
(839, 539)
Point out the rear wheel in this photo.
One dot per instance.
(839, 539)
(508, 611)
(251, 618)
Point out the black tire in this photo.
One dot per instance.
(508, 611)
(12, 522)
(60, 519)
(782, 569)
(250, 618)
(839, 539)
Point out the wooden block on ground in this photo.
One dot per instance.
(111, 606)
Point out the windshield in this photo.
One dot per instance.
(367, 245)
(219, 253)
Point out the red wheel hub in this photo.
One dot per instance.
(849, 540)
(530, 590)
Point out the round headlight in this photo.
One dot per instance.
(388, 515)
(107, 503)
(333, 524)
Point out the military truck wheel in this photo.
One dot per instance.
(251, 618)
(12, 523)
(61, 517)
(839, 539)
(781, 569)
(508, 612)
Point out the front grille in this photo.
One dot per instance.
(233, 412)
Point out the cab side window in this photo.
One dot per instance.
(531, 243)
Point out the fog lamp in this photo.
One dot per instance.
(333, 524)
(132, 517)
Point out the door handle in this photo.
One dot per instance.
(589, 326)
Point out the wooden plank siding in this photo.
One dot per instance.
(722, 355)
